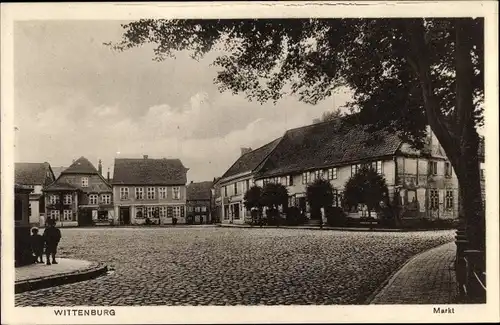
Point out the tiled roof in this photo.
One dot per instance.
(148, 171)
(81, 166)
(32, 173)
(251, 160)
(199, 191)
(326, 144)
(60, 186)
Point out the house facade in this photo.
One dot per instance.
(199, 202)
(147, 188)
(35, 176)
(80, 196)
(237, 180)
(421, 182)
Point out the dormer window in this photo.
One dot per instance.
(85, 182)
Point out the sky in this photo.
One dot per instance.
(76, 97)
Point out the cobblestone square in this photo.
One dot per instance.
(225, 266)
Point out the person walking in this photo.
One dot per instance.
(51, 236)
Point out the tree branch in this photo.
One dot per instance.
(418, 58)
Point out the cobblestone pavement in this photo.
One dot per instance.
(225, 266)
(426, 279)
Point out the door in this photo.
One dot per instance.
(85, 217)
(125, 215)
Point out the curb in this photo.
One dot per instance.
(92, 272)
(391, 277)
(330, 228)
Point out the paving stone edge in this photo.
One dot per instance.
(94, 271)
(329, 228)
(391, 277)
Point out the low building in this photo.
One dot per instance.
(198, 202)
(148, 188)
(35, 176)
(237, 180)
(422, 182)
(80, 196)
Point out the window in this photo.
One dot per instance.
(106, 198)
(54, 214)
(318, 174)
(449, 199)
(236, 188)
(139, 213)
(304, 178)
(163, 212)
(67, 215)
(162, 192)
(176, 193)
(434, 199)
(312, 177)
(139, 193)
(290, 180)
(433, 167)
(332, 173)
(85, 182)
(93, 199)
(336, 200)
(376, 166)
(150, 212)
(247, 184)
(203, 209)
(177, 212)
(124, 193)
(354, 169)
(67, 199)
(225, 190)
(197, 209)
(151, 193)
(54, 199)
(447, 169)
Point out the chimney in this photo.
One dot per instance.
(191, 182)
(108, 174)
(99, 167)
(245, 150)
(145, 156)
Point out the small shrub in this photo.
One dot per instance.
(335, 217)
(294, 217)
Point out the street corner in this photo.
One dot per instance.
(40, 276)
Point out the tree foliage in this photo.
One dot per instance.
(367, 187)
(405, 74)
(274, 195)
(319, 194)
(252, 198)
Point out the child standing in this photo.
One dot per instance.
(52, 236)
(37, 245)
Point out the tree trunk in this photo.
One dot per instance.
(459, 138)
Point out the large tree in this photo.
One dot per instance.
(405, 74)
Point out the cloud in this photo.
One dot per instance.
(77, 97)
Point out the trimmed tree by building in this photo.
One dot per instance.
(273, 196)
(366, 187)
(252, 203)
(320, 196)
